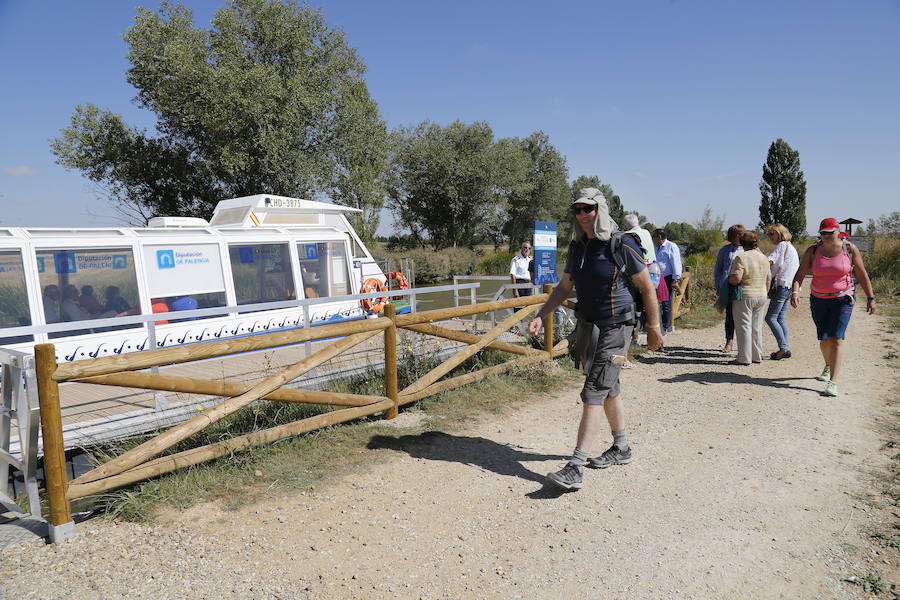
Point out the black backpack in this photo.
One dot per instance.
(617, 248)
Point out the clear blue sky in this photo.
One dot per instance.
(673, 103)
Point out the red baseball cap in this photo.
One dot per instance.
(829, 224)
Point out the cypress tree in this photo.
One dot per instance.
(783, 189)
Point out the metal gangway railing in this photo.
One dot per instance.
(20, 404)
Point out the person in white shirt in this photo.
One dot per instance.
(519, 271)
(784, 263)
(669, 258)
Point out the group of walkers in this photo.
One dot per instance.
(753, 287)
(610, 273)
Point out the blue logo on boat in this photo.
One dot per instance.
(120, 261)
(246, 254)
(312, 251)
(165, 259)
(64, 262)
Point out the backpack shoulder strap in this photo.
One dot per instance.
(617, 248)
(848, 249)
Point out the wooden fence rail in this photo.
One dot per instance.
(144, 461)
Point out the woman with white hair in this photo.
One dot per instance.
(633, 225)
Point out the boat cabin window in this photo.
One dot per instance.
(184, 277)
(80, 284)
(356, 248)
(14, 311)
(261, 273)
(323, 269)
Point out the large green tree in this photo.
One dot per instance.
(268, 100)
(450, 185)
(783, 189)
(542, 191)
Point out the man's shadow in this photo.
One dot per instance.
(707, 377)
(685, 355)
(483, 453)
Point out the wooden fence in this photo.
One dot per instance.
(144, 461)
(681, 291)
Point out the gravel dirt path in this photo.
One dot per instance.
(746, 483)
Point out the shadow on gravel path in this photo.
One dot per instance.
(727, 377)
(486, 454)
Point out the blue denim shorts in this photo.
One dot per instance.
(831, 315)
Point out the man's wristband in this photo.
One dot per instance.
(870, 299)
(652, 326)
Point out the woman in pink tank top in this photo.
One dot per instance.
(831, 274)
(832, 262)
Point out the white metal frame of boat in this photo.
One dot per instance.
(76, 287)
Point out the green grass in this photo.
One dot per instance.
(870, 583)
(702, 294)
(311, 460)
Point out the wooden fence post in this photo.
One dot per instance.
(687, 291)
(548, 324)
(390, 361)
(61, 525)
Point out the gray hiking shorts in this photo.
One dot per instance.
(603, 374)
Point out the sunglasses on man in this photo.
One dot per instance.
(577, 210)
(526, 247)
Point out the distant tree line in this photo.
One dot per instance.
(271, 99)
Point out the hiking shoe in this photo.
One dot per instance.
(826, 374)
(613, 456)
(831, 389)
(568, 478)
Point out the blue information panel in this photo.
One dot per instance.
(545, 252)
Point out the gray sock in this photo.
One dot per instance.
(579, 457)
(620, 439)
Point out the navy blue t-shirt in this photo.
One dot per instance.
(592, 268)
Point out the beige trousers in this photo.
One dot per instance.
(749, 315)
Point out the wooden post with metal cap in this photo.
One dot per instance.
(61, 525)
(390, 361)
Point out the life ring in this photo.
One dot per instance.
(402, 283)
(374, 305)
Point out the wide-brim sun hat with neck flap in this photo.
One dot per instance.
(603, 224)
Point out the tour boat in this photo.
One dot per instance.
(77, 287)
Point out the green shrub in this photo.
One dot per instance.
(462, 261)
(702, 285)
(431, 266)
(434, 266)
(700, 241)
(883, 266)
(497, 264)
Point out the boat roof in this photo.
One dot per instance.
(260, 212)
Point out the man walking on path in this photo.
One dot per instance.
(669, 258)
(519, 271)
(606, 307)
